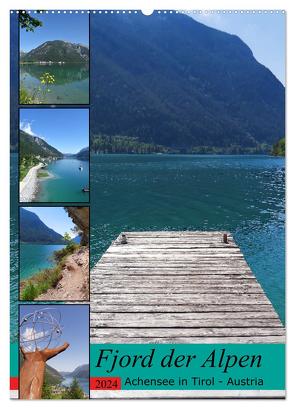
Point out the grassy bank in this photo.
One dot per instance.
(26, 164)
(43, 174)
(48, 278)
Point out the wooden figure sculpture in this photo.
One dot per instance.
(38, 330)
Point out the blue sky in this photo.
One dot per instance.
(65, 129)
(264, 33)
(54, 217)
(67, 27)
(75, 331)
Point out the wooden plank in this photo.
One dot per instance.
(187, 299)
(194, 275)
(185, 332)
(180, 316)
(174, 251)
(169, 245)
(185, 323)
(172, 269)
(164, 280)
(186, 287)
(163, 263)
(98, 308)
(180, 289)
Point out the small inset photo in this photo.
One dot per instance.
(54, 351)
(54, 58)
(54, 155)
(54, 253)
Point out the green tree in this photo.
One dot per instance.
(67, 237)
(28, 22)
(46, 390)
(279, 148)
(74, 391)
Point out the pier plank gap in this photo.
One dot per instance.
(179, 287)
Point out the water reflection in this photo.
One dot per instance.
(63, 74)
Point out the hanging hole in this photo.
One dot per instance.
(147, 12)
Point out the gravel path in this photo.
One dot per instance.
(74, 284)
(28, 186)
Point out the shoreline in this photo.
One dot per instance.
(29, 185)
(43, 179)
(70, 278)
(49, 176)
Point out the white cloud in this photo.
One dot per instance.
(29, 335)
(26, 126)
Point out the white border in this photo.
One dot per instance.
(4, 172)
(196, 394)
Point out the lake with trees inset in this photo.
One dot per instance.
(71, 82)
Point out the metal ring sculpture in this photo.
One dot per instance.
(40, 329)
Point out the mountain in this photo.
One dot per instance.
(57, 51)
(22, 54)
(33, 145)
(53, 377)
(77, 239)
(33, 230)
(81, 371)
(83, 154)
(169, 80)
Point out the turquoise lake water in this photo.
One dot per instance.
(243, 194)
(71, 82)
(67, 182)
(36, 257)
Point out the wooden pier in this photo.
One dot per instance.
(179, 287)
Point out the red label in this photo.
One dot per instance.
(13, 384)
(105, 383)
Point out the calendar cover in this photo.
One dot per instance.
(147, 204)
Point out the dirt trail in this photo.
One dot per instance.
(28, 186)
(74, 284)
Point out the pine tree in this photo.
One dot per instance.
(74, 391)
(46, 390)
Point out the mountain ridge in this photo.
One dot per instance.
(57, 51)
(83, 154)
(34, 145)
(33, 230)
(188, 86)
(82, 371)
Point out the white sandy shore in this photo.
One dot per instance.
(28, 186)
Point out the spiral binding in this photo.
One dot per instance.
(155, 11)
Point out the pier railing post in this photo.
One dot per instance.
(123, 239)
